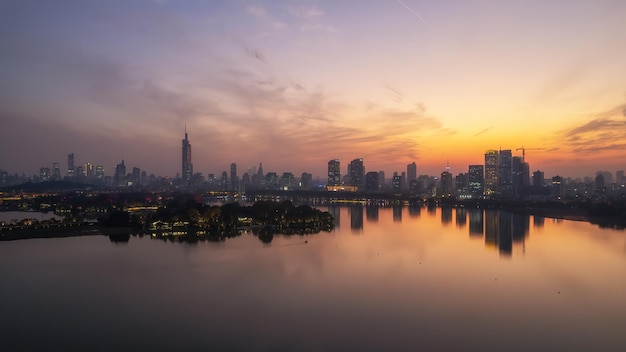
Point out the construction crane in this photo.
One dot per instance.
(524, 151)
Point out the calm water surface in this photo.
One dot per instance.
(384, 279)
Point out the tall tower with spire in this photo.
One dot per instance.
(187, 171)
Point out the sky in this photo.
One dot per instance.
(294, 84)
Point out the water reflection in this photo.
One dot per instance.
(476, 226)
(501, 230)
(397, 213)
(356, 218)
(446, 215)
(538, 221)
(415, 211)
(461, 217)
(371, 213)
(335, 211)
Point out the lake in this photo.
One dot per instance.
(384, 279)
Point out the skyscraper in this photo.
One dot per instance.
(334, 172)
(517, 175)
(505, 174)
(371, 181)
(187, 173)
(70, 165)
(446, 183)
(234, 180)
(120, 175)
(491, 172)
(476, 180)
(538, 179)
(411, 172)
(56, 172)
(357, 172)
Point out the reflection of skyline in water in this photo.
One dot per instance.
(501, 230)
(356, 218)
(371, 213)
(446, 215)
(461, 217)
(397, 213)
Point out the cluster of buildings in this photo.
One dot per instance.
(501, 176)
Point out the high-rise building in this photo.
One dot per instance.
(538, 180)
(371, 181)
(234, 180)
(446, 184)
(619, 177)
(600, 185)
(334, 172)
(89, 171)
(608, 177)
(476, 180)
(306, 180)
(56, 172)
(411, 172)
(100, 173)
(245, 181)
(287, 181)
(396, 183)
(517, 175)
(187, 171)
(224, 181)
(271, 180)
(461, 185)
(80, 173)
(357, 172)
(505, 174)
(136, 176)
(44, 174)
(70, 165)
(120, 175)
(557, 186)
(491, 172)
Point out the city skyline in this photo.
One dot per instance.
(296, 84)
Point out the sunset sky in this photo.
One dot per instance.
(293, 84)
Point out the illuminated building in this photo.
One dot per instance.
(187, 170)
(100, 173)
(56, 172)
(89, 171)
(396, 183)
(70, 165)
(357, 172)
(334, 172)
(476, 180)
(446, 184)
(44, 174)
(491, 172)
(505, 175)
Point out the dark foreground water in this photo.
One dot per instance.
(384, 279)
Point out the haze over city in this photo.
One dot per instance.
(293, 84)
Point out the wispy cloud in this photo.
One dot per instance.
(482, 132)
(604, 131)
